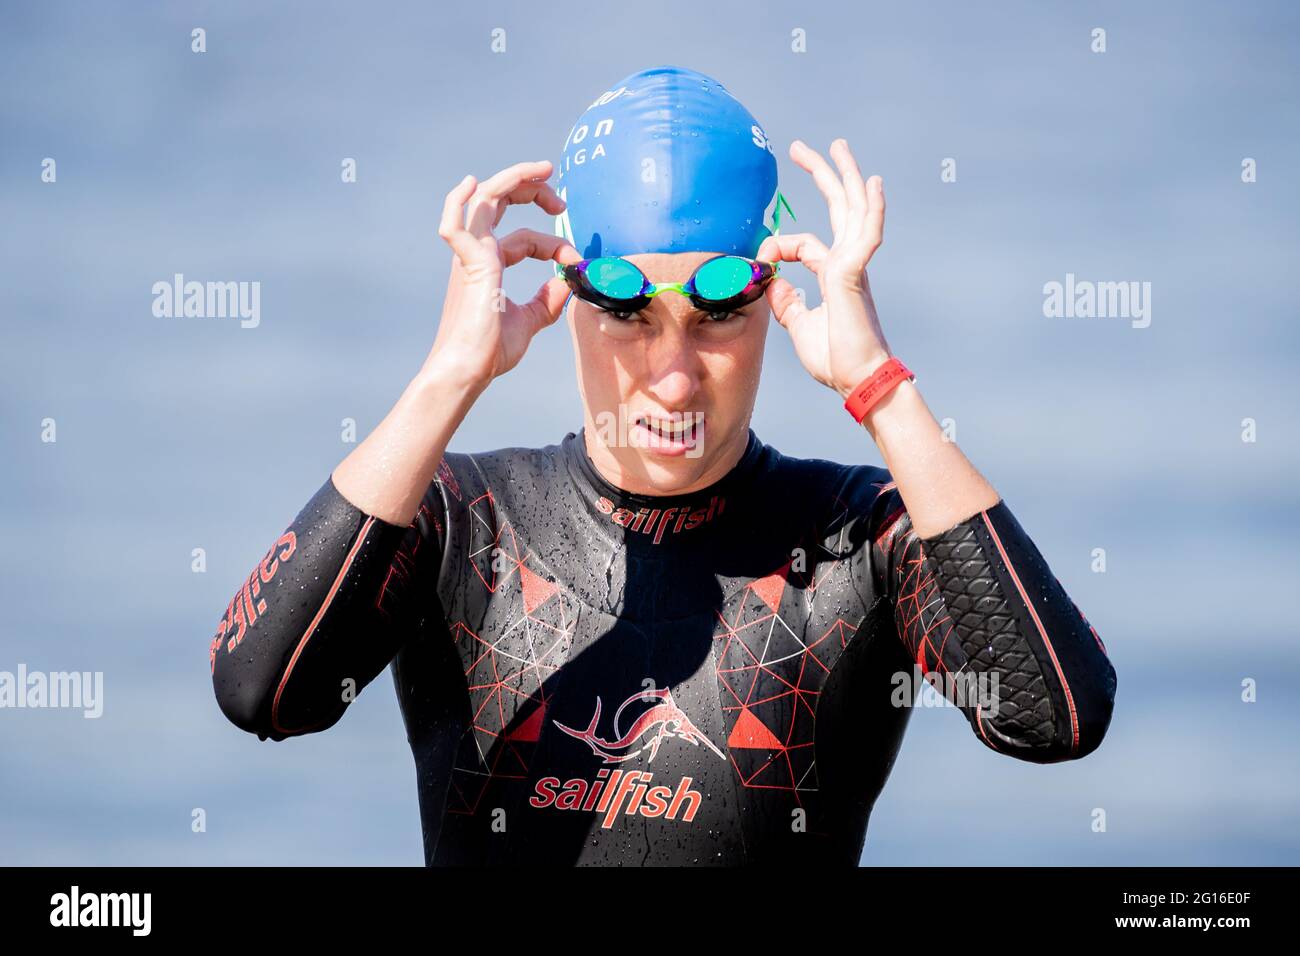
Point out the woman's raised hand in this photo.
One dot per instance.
(840, 341)
(482, 333)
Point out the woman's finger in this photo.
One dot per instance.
(486, 214)
(501, 183)
(875, 211)
(531, 244)
(787, 306)
(802, 247)
(504, 189)
(451, 227)
(545, 306)
(548, 199)
(527, 193)
(827, 182)
(854, 188)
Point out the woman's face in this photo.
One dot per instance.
(668, 392)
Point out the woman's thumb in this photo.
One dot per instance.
(545, 307)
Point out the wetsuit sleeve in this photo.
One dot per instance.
(321, 615)
(978, 608)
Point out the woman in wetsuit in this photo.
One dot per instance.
(658, 640)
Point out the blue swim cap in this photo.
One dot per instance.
(666, 161)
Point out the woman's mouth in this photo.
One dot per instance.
(672, 436)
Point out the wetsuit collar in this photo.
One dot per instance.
(660, 519)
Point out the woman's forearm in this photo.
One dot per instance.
(936, 481)
(388, 473)
(308, 624)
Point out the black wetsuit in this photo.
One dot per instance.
(592, 677)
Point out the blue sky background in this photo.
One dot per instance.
(175, 434)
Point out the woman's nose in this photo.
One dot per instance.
(674, 372)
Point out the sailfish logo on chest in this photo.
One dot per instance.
(663, 719)
(655, 521)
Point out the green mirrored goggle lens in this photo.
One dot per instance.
(615, 278)
(723, 278)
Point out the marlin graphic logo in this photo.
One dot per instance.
(663, 719)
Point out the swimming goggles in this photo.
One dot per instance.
(723, 283)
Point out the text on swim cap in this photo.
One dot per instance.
(608, 96)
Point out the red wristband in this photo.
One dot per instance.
(875, 387)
